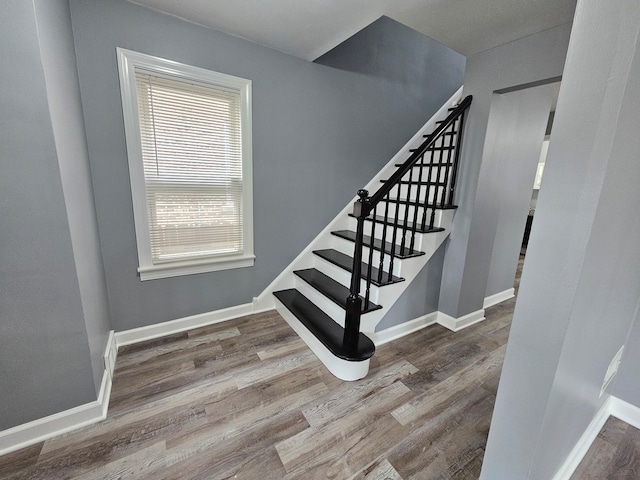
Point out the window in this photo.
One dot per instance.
(188, 133)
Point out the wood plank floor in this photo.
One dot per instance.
(614, 454)
(246, 399)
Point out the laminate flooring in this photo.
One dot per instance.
(614, 454)
(246, 399)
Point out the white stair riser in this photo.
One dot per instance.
(417, 242)
(409, 212)
(327, 305)
(342, 276)
(379, 228)
(433, 193)
(347, 247)
(342, 369)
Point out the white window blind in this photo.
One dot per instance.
(192, 156)
(188, 134)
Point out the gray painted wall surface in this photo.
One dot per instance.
(517, 124)
(626, 385)
(421, 296)
(581, 281)
(63, 94)
(45, 365)
(391, 50)
(319, 134)
(530, 59)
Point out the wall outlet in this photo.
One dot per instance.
(612, 370)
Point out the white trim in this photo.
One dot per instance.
(612, 406)
(580, 449)
(149, 332)
(499, 297)
(192, 267)
(110, 355)
(457, 324)
(128, 61)
(625, 411)
(342, 369)
(51, 426)
(404, 329)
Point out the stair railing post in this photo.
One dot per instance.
(354, 302)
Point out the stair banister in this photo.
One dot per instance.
(406, 166)
(365, 205)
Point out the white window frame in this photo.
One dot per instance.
(128, 61)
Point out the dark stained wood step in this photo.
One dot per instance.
(427, 164)
(346, 262)
(415, 182)
(334, 291)
(418, 204)
(435, 149)
(443, 133)
(377, 244)
(323, 327)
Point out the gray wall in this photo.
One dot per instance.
(626, 385)
(387, 49)
(319, 134)
(581, 281)
(531, 59)
(63, 94)
(45, 364)
(421, 296)
(517, 124)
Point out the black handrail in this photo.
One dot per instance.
(452, 127)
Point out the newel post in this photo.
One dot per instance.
(354, 303)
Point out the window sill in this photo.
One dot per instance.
(177, 269)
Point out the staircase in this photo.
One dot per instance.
(336, 292)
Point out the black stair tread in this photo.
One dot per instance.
(423, 182)
(377, 244)
(427, 164)
(435, 149)
(346, 262)
(401, 224)
(413, 203)
(331, 289)
(323, 327)
(443, 133)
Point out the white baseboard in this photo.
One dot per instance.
(625, 411)
(149, 332)
(580, 449)
(612, 406)
(42, 429)
(499, 297)
(399, 331)
(110, 355)
(457, 324)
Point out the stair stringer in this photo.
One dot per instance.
(306, 258)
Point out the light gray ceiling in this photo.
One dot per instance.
(310, 28)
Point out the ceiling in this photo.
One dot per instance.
(310, 28)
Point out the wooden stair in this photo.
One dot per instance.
(312, 297)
